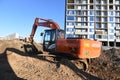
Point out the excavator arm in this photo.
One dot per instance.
(46, 23)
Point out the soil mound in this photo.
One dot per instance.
(24, 61)
(18, 64)
(107, 66)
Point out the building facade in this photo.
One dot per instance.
(94, 19)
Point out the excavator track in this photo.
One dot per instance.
(79, 63)
(58, 59)
(74, 64)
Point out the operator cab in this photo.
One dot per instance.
(50, 38)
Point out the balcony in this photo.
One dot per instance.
(100, 39)
(117, 14)
(99, 32)
(117, 8)
(117, 34)
(81, 26)
(69, 26)
(69, 32)
(81, 32)
(117, 40)
(118, 27)
(117, 2)
(117, 20)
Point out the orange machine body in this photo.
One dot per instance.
(80, 48)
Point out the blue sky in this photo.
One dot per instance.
(17, 16)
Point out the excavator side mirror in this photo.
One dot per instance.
(41, 34)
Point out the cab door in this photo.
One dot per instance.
(49, 40)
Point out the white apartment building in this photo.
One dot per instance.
(94, 19)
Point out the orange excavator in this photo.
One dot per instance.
(54, 41)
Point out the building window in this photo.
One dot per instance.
(104, 1)
(78, 1)
(104, 13)
(82, 24)
(117, 2)
(91, 12)
(104, 7)
(117, 19)
(91, 36)
(84, 7)
(112, 31)
(117, 25)
(91, 6)
(117, 37)
(70, 1)
(117, 14)
(98, 13)
(111, 37)
(91, 30)
(82, 13)
(97, 25)
(98, 7)
(83, 19)
(111, 7)
(78, 7)
(77, 12)
(110, 1)
(70, 35)
(70, 12)
(117, 31)
(70, 17)
(70, 23)
(98, 19)
(91, 1)
(117, 7)
(112, 25)
(111, 18)
(70, 6)
(98, 1)
(84, 1)
(111, 13)
(91, 18)
(104, 37)
(98, 36)
(70, 29)
(103, 25)
(104, 19)
(91, 24)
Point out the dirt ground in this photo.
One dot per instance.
(18, 64)
(107, 66)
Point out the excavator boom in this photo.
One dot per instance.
(46, 23)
